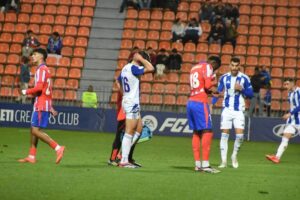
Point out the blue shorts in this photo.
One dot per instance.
(40, 119)
(198, 115)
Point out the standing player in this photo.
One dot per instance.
(42, 108)
(131, 102)
(121, 117)
(236, 86)
(198, 112)
(292, 119)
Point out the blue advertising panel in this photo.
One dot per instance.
(161, 123)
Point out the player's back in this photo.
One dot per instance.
(201, 76)
(43, 101)
(130, 84)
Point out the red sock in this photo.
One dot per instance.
(32, 151)
(53, 144)
(196, 146)
(114, 154)
(206, 142)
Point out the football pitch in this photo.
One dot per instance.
(167, 171)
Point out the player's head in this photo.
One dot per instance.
(234, 65)
(145, 55)
(39, 55)
(215, 62)
(289, 83)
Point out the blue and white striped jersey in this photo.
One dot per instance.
(234, 100)
(294, 100)
(129, 78)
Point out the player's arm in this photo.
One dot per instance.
(53, 111)
(148, 67)
(247, 89)
(118, 83)
(297, 109)
(39, 85)
(219, 90)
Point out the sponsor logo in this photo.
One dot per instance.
(279, 129)
(150, 121)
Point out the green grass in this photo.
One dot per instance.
(167, 171)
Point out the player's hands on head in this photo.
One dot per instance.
(137, 57)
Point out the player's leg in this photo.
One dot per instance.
(226, 125)
(31, 158)
(288, 132)
(239, 124)
(117, 142)
(135, 139)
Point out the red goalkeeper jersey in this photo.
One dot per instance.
(42, 89)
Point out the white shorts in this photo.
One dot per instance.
(291, 128)
(229, 117)
(132, 110)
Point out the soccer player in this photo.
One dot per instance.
(292, 119)
(198, 111)
(236, 86)
(42, 108)
(121, 117)
(129, 78)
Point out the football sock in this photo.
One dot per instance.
(282, 147)
(126, 145)
(206, 142)
(54, 145)
(239, 138)
(32, 152)
(130, 156)
(205, 163)
(136, 136)
(224, 146)
(114, 154)
(198, 163)
(196, 146)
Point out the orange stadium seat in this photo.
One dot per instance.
(276, 72)
(169, 15)
(65, 2)
(227, 49)
(6, 91)
(195, 7)
(200, 57)
(26, 8)
(249, 70)
(142, 24)
(64, 62)
(72, 84)
(40, 1)
(292, 32)
(7, 80)
(79, 52)
(62, 72)
(1, 68)
(46, 29)
(38, 9)
(152, 44)
(152, 35)
(75, 11)
(293, 22)
(158, 88)
(164, 45)
(58, 94)
(4, 47)
(277, 62)
(34, 27)
(167, 26)
(281, 11)
(279, 41)
(156, 99)
(252, 50)
(68, 41)
(276, 94)
(265, 51)
(182, 16)
(278, 52)
(11, 17)
(214, 48)
(256, 10)
(70, 95)
(10, 70)
(59, 83)
(280, 31)
(275, 105)
(252, 61)
(242, 40)
(189, 47)
(291, 52)
(8, 27)
(254, 40)
(181, 100)
(269, 11)
(264, 61)
(131, 13)
(240, 50)
(268, 21)
(140, 34)
(255, 20)
(48, 19)
(77, 62)
(36, 19)
(280, 21)
(254, 30)
(202, 47)
(128, 34)
(291, 42)
(290, 63)
(126, 44)
(130, 24)
(293, 12)
(15, 48)
(184, 79)
(183, 6)
(145, 87)
(124, 54)
(77, 2)
(170, 88)
(50, 9)
(155, 25)
(86, 21)
(267, 31)
(165, 35)
(147, 77)
(73, 21)
(139, 43)
(88, 12)
(289, 73)
(188, 57)
(145, 98)
(51, 61)
(183, 89)
(3, 58)
(277, 83)
(18, 38)
(71, 31)
(21, 28)
(67, 51)
(156, 14)
(13, 59)
(193, 15)
(23, 18)
(244, 9)
(172, 77)
(244, 19)
(144, 14)
(169, 100)
(62, 10)
(243, 29)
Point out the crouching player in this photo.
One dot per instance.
(292, 119)
(198, 112)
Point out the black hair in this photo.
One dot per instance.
(29, 31)
(215, 59)
(235, 59)
(56, 34)
(145, 55)
(41, 51)
(290, 80)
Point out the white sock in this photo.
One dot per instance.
(282, 147)
(205, 163)
(126, 145)
(136, 136)
(198, 163)
(239, 138)
(57, 148)
(224, 146)
(31, 156)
